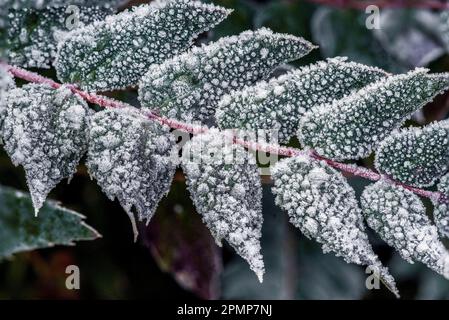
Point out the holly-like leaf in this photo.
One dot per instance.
(45, 131)
(23, 232)
(441, 207)
(33, 35)
(400, 219)
(280, 103)
(223, 180)
(6, 84)
(189, 87)
(117, 52)
(415, 156)
(132, 159)
(321, 203)
(351, 127)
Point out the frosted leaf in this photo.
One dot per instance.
(415, 156)
(223, 180)
(400, 219)
(132, 159)
(189, 87)
(32, 35)
(323, 206)
(45, 131)
(441, 211)
(280, 103)
(351, 127)
(117, 52)
(6, 84)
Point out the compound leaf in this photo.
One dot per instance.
(223, 180)
(322, 204)
(132, 159)
(189, 87)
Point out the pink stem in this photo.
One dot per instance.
(175, 124)
(362, 5)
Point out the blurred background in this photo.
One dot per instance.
(175, 256)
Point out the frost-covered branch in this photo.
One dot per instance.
(362, 5)
(175, 124)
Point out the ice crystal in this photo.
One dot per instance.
(32, 35)
(415, 156)
(189, 87)
(351, 127)
(399, 217)
(117, 52)
(324, 207)
(45, 131)
(132, 159)
(223, 180)
(280, 103)
(6, 84)
(441, 211)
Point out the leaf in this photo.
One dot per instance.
(22, 232)
(412, 37)
(223, 181)
(321, 203)
(33, 35)
(441, 211)
(45, 131)
(351, 127)
(117, 52)
(415, 156)
(280, 103)
(189, 87)
(6, 84)
(183, 246)
(342, 32)
(400, 219)
(132, 159)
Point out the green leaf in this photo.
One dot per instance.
(117, 52)
(223, 180)
(415, 156)
(280, 103)
(189, 87)
(400, 219)
(321, 203)
(133, 159)
(45, 131)
(20, 231)
(33, 35)
(351, 127)
(441, 207)
(342, 32)
(6, 84)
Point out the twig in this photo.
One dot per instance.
(175, 124)
(363, 4)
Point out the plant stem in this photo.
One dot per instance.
(363, 4)
(175, 124)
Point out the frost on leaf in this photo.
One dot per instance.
(189, 87)
(441, 211)
(223, 180)
(55, 226)
(400, 219)
(132, 159)
(45, 131)
(351, 127)
(33, 35)
(324, 207)
(6, 84)
(415, 156)
(116, 53)
(280, 103)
